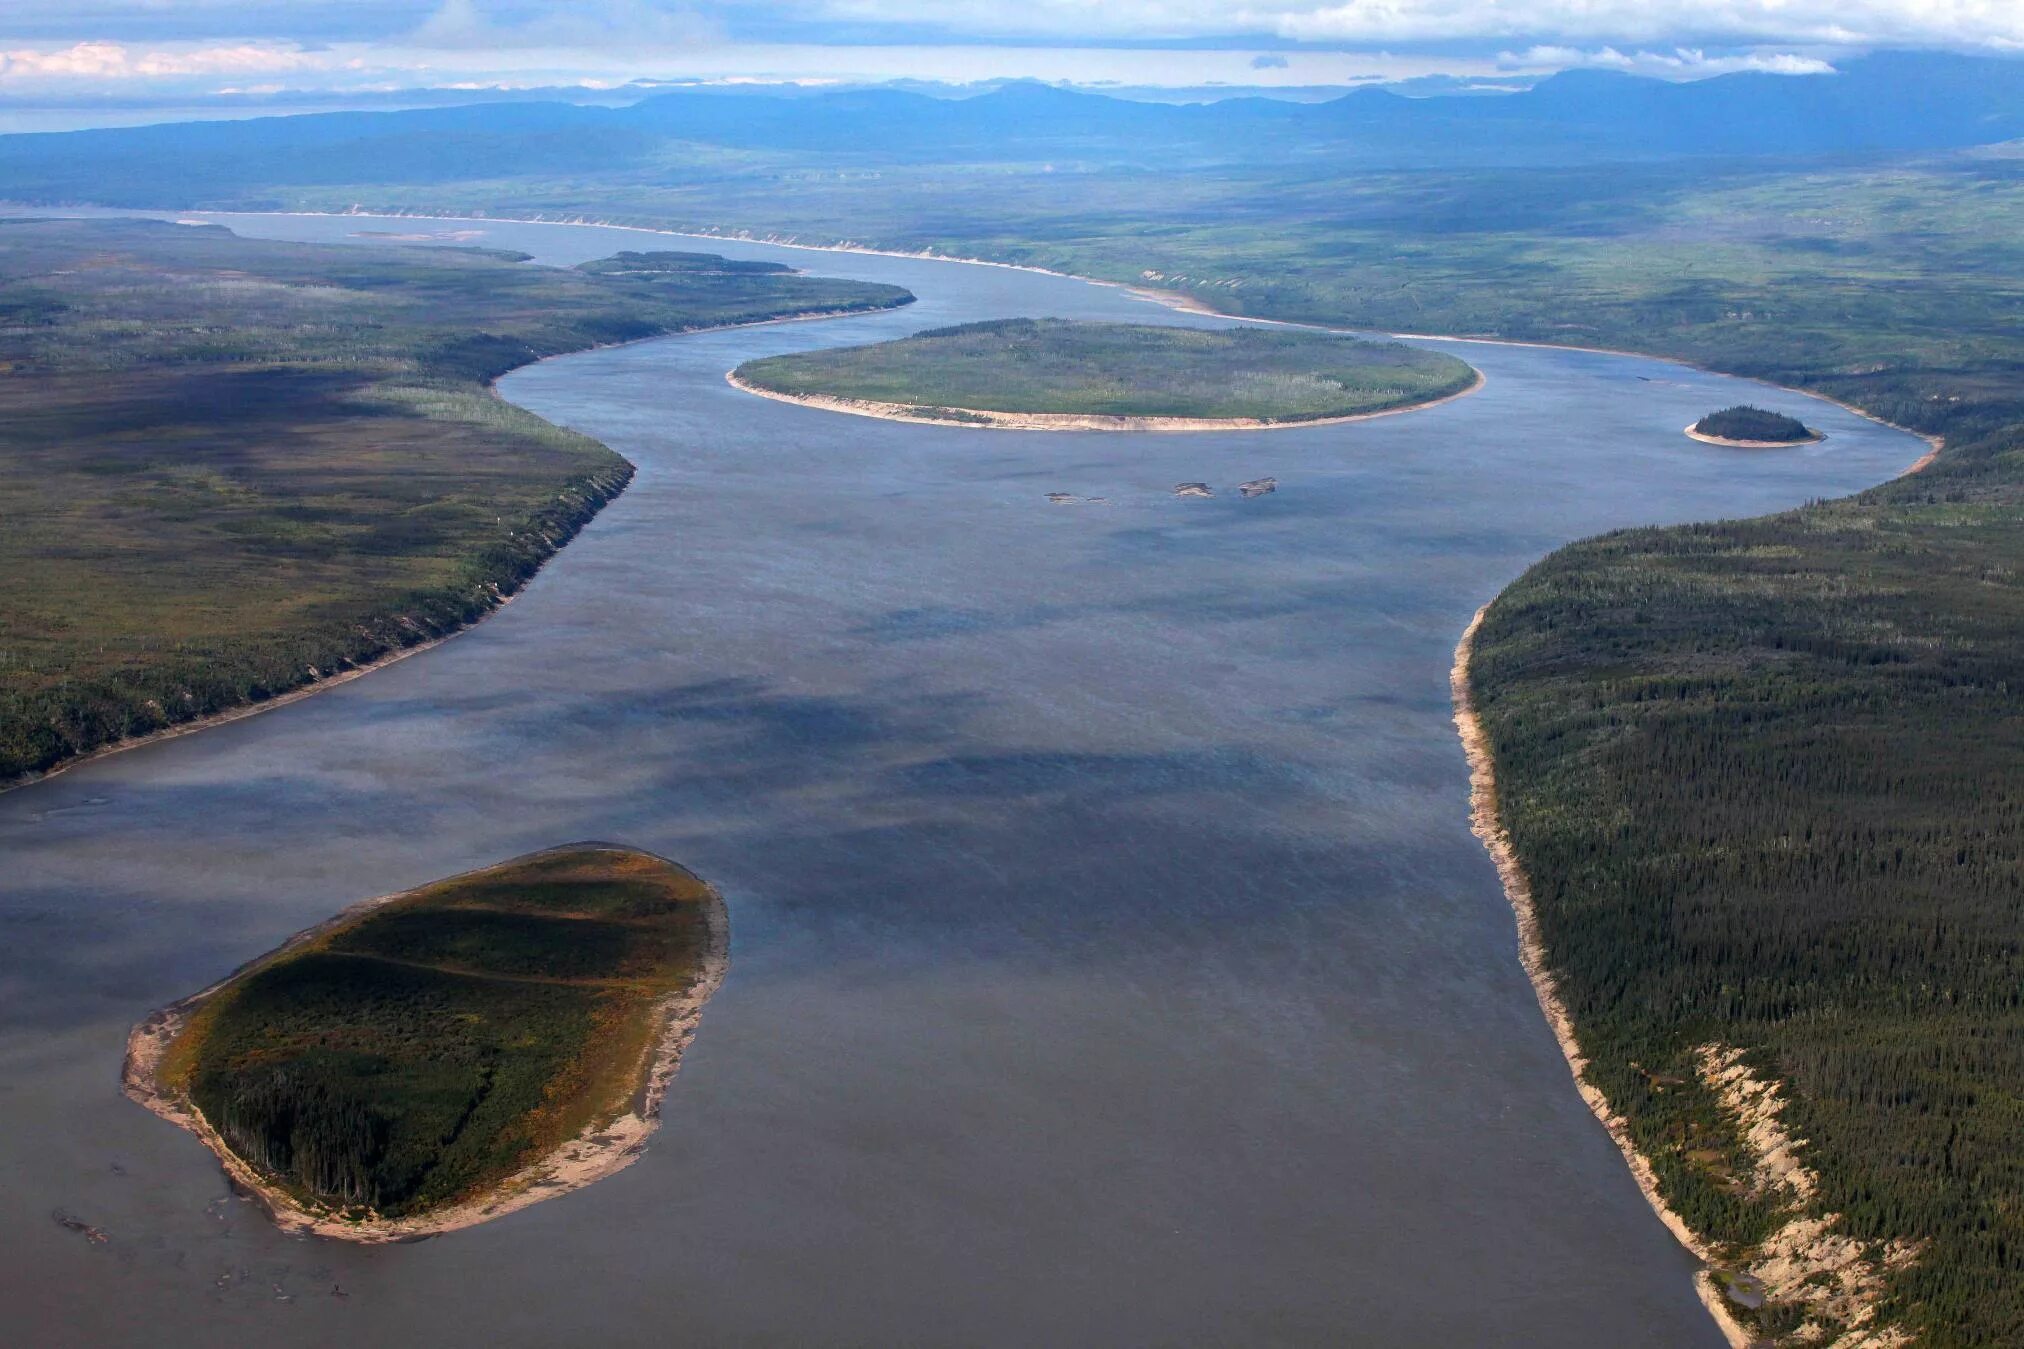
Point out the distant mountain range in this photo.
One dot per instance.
(1881, 103)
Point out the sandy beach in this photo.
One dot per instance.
(1812, 438)
(986, 420)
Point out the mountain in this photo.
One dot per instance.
(1888, 102)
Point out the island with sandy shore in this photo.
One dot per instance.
(1064, 375)
(1752, 428)
(436, 1058)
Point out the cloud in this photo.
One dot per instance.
(1680, 63)
(1269, 61)
(114, 61)
(465, 24)
(1983, 23)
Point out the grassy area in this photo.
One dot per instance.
(1122, 370)
(230, 466)
(415, 1055)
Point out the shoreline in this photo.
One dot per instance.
(1179, 301)
(307, 689)
(1485, 824)
(323, 683)
(1813, 437)
(1483, 788)
(983, 419)
(599, 1151)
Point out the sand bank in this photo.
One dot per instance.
(1812, 437)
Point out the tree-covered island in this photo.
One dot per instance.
(1059, 374)
(1753, 427)
(430, 1060)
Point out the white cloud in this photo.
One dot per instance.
(1679, 63)
(600, 24)
(114, 61)
(1995, 23)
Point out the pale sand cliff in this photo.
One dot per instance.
(1804, 1261)
(599, 1151)
(1484, 823)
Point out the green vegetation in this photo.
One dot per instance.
(1763, 777)
(1673, 710)
(1761, 774)
(430, 1048)
(679, 265)
(1122, 370)
(1754, 424)
(229, 466)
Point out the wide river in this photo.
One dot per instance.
(1112, 963)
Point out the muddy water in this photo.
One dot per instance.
(1112, 963)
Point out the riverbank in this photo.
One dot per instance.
(1803, 1262)
(602, 1149)
(1178, 301)
(321, 682)
(1532, 955)
(987, 420)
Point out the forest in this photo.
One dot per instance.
(1761, 774)
(232, 467)
(407, 1058)
(1123, 370)
(1763, 779)
(1752, 424)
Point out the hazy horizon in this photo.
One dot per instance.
(114, 62)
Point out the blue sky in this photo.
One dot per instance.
(199, 51)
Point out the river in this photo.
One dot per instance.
(1112, 963)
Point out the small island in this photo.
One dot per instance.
(1063, 375)
(1752, 428)
(447, 1055)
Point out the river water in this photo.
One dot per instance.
(1112, 963)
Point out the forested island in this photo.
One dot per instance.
(236, 468)
(1059, 374)
(1752, 428)
(442, 1056)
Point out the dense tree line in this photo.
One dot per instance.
(235, 466)
(1745, 422)
(1764, 777)
(445, 1040)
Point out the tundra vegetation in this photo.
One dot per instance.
(426, 1050)
(1121, 370)
(231, 466)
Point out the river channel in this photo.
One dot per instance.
(1112, 963)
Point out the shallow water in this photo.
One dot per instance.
(1112, 963)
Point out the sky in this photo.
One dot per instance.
(78, 54)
